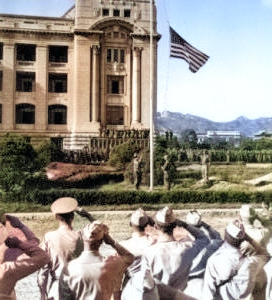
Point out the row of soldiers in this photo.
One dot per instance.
(165, 258)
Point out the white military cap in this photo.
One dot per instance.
(165, 216)
(236, 230)
(139, 218)
(64, 205)
(193, 218)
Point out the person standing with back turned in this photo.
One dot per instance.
(62, 245)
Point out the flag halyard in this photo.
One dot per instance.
(179, 48)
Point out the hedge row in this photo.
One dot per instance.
(249, 156)
(90, 197)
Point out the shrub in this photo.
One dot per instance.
(48, 152)
(18, 165)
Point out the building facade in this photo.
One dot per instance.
(72, 77)
(220, 136)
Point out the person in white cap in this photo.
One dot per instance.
(196, 275)
(138, 282)
(32, 257)
(230, 275)
(90, 276)
(140, 239)
(171, 260)
(62, 245)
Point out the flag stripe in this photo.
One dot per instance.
(182, 49)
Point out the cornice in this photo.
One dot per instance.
(38, 32)
(140, 36)
(29, 17)
(87, 32)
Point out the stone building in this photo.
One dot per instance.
(68, 78)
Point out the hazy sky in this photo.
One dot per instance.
(236, 34)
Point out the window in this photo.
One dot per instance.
(116, 55)
(1, 79)
(115, 115)
(127, 13)
(1, 51)
(57, 114)
(105, 12)
(58, 54)
(25, 114)
(122, 56)
(116, 85)
(57, 83)
(0, 113)
(116, 13)
(25, 52)
(25, 81)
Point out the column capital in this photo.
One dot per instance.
(96, 49)
(137, 49)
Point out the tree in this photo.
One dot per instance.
(48, 152)
(264, 144)
(189, 137)
(122, 154)
(18, 163)
(247, 144)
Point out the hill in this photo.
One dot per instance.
(177, 122)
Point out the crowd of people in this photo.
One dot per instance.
(165, 258)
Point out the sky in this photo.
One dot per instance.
(236, 35)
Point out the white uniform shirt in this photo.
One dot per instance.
(170, 261)
(137, 243)
(229, 275)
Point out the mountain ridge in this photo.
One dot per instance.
(178, 122)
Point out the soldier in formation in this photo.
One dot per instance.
(165, 258)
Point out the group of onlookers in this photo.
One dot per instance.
(165, 258)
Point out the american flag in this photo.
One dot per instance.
(181, 49)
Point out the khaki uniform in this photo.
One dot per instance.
(206, 163)
(62, 245)
(171, 261)
(89, 277)
(137, 243)
(12, 271)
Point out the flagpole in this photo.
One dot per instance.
(151, 99)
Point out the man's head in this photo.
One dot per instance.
(235, 233)
(139, 220)
(63, 209)
(93, 234)
(165, 220)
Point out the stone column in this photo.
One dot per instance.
(41, 109)
(9, 87)
(136, 86)
(95, 83)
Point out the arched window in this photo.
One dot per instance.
(57, 114)
(25, 113)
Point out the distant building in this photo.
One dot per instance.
(68, 78)
(220, 136)
(263, 134)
